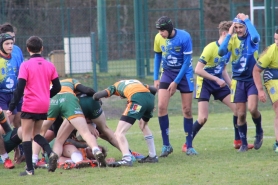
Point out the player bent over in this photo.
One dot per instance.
(140, 106)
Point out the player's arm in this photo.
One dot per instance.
(199, 70)
(152, 89)
(157, 63)
(100, 94)
(224, 48)
(255, 36)
(226, 76)
(56, 87)
(257, 77)
(258, 82)
(18, 93)
(85, 90)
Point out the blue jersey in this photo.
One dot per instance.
(244, 53)
(9, 70)
(174, 50)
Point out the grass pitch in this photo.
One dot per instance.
(217, 163)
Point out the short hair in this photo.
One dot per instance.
(276, 31)
(34, 44)
(224, 26)
(6, 27)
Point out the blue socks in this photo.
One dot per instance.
(188, 127)
(258, 123)
(243, 133)
(237, 137)
(164, 127)
(196, 127)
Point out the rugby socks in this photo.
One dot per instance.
(76, 157)
(188, 127)
(27, 147)
(196, 128)
(258, 123)
(35, 158)
(237, 137)
(164, 127)
(4, 123)
(243, 133)
(43, 143)
(150, 142)
(4, 156)
(127, 157)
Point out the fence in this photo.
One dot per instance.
(105, 41)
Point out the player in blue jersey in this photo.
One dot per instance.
(174, 48)
(5, 98)
(17, 56)
(213, 79)
(268, 62)
(244, 52)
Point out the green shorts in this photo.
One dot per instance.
(91, 108)
(65, 105)
(9, 144)
(141, 105)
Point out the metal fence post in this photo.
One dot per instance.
(102, 35)
(94, 60)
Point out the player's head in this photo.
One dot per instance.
(8, 28)
(34, 44)
(6, 43)
(164, 23)
(276, 37)
(224, 27)
(240, 27)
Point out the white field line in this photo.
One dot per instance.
(173, 131)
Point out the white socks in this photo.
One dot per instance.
(150, 142)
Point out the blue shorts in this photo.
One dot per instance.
(205, 88)
(241, 90)
(186, 84)
(5, 99)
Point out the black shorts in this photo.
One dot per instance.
(33, 116)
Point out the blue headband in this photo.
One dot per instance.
(239, 21)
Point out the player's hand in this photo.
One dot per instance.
(8, 113)
(242, 16)
(221, 82)
(156, 84)
(172, 88)
(262, 96)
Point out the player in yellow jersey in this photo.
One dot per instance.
(140, 105)
(268, 62)
(213, 79)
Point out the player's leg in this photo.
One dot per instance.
(203, 92)
(27, 125)
(42, 141)
(123, 126)
(188, 121)
(81, 126)
(203, 108)
(162, 107)
(105, 130)
(35, 146)
(256, 115)
(151, 158)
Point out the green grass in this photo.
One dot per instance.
(217, 162)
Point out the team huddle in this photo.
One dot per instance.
(70, 117)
